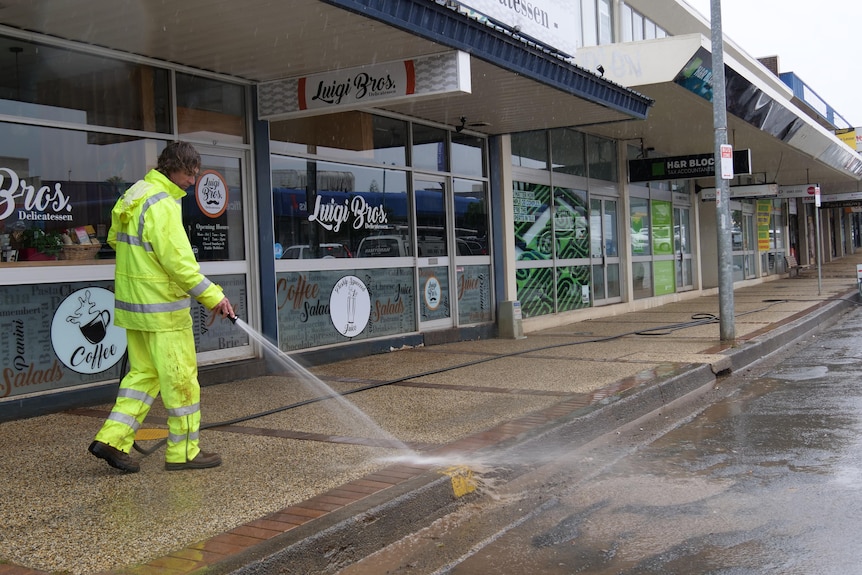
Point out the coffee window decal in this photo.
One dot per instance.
(83, 333)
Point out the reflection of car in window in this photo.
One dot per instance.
(394, 246)
(383, 247)
(431, 247)
(640, 240)
(661, 239)
(471, 247)
(324, 251)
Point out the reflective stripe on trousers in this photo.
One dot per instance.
(161, 362)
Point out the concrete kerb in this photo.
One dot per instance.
(343, 537)
(761, 346)
(338, 539)
(334, 541)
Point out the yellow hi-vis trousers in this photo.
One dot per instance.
(163, 362)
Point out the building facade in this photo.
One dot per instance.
(374, 175)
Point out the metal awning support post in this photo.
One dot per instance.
(819, 250)
(722, 188)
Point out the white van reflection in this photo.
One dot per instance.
(388, 246)
(324, 251)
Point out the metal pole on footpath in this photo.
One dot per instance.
(727, 328)
(819, 250)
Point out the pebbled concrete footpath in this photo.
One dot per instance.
(310, 486)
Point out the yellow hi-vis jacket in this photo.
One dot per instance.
(156, 269)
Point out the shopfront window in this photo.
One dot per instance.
(213, 210)
(640, 227)
(63, 183)
(59, 186)
(429, 148)
(571, 224)
(569, 152)
(602, 158)
(564, 174)
(778, 221)
(431, 229)
(349, 195)
(471, 217)
(82, 129)
(770, 230)
(641, 245)
(55, 84)
(468, 155)
(348, 136)
(737, 237)
(328, 210)
(210, 110)
(530, 150)
(533, 226)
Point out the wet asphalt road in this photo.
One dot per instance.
(760, 474)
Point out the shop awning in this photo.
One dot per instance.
(788, 146)
(516, 85)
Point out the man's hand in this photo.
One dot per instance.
(223, 309)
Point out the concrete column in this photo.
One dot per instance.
(507, 220)
(503, 213)
(624, 242)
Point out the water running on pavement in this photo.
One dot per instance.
(316, 384)
(407, 455)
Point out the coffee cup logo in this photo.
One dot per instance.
(92, 320)
(84, 336)
(96, 329)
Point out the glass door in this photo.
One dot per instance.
(434, 240)
(682, 247)
(216, 216)
(604, 250)
(744, 241)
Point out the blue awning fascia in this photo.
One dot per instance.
(448, 27)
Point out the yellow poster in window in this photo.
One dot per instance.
(764, 212)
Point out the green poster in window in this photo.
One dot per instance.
(534, 239)
(662, 226)
(664, 277)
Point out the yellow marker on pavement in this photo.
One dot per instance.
(462, 480)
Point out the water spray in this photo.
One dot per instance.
(293, 366)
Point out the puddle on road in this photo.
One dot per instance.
(802, 374)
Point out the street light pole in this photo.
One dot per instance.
(727, 329)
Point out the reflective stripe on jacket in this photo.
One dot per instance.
(156, 270)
